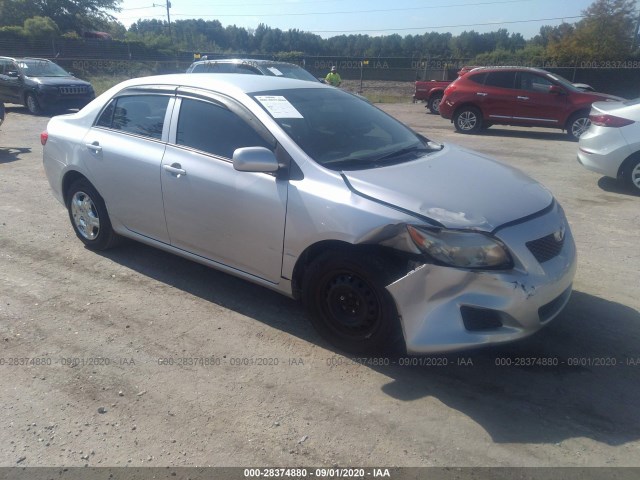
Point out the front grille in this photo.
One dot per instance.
(546, 248)
(73, 90)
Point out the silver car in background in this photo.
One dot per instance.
(309, 191)
(611, 145)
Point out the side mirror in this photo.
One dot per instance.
(555, 89)
(254, 159)
(13, 74)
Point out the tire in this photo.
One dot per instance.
(2, 113)
(434, 103)
(31, 102)
(89, 217)
(468, 120)
(578, 124)
(348, 303)
(630, 173)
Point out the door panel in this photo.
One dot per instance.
(534, 103)
(212, 210)
(124, 155)
(496, 96)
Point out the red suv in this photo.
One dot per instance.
(519, 96)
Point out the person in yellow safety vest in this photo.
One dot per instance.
(333, 77)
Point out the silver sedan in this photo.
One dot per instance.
(314, 193)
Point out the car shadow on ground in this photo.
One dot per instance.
(496, 131)
(613, 185)
(12, 154)
(579, 377)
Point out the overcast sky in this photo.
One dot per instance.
(328, 18)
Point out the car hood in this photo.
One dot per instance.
(455, 187)
(56, 81)
(599, 97)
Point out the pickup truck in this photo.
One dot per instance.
(431, 92)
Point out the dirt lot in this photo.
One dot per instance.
(100, 326)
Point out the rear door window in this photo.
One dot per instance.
(500, 79)
(136, 114)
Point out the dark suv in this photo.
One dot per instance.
(40, 84)
(518, 96)
(252, 67)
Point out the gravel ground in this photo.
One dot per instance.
(95, 330)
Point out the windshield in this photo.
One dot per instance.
(42, 68)
(340, 131)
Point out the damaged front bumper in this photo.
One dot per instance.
(445, 309)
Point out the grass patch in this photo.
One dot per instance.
(104, 82)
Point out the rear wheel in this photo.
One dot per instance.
(349, 304)
(631, 173)
(468, 120)
(577, 125)
(434, 103)
(89, 216)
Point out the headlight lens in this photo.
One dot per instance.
(461, 249)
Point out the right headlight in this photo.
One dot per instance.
(462, 249)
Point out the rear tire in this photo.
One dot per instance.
(468, 120)
(631, 174)
(348, 303)
(434, 103)
(89, 217)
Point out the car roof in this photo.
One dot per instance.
(248, 61)
(506, 67)
(223, 82)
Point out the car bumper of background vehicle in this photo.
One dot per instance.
(602, 150)
(446, 309)
(49, 100)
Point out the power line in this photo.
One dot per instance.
(435, 27)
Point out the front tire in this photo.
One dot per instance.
(32, 104)
(434, 104)
(468, 120)
(577, 125)
(89, 216)
(348, 303)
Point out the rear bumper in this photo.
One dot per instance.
(602, 150)
(435, 302)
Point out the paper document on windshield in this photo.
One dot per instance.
(278, 106)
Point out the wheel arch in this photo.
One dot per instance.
(398, 263)
(69, 178)
(467, 104)
(572, 115)
(635, 156)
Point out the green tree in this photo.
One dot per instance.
(41, 27)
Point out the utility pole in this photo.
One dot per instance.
(168, 5)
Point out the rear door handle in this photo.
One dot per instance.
(94, 147)
(175, 169)
(522, 98)
(482, 94)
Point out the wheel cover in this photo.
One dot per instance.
(635, 176)
(436, 105)
(350, 305)
(467, 120)
(579, 126)
(85, 215)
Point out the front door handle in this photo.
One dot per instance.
(175, 169)
(94, 147)
(482, 94)
(522, 98)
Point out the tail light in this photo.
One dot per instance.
(44, 136)
(604, 120)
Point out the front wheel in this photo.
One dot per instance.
(89, 216)
(468, 120)
(31, 102)
(577, 125)
(434, 104)
(349, 304)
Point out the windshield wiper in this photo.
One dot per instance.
(430, 147)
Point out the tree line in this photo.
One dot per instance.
(608, 31)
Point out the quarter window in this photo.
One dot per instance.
(137, 114)
(213, 129)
